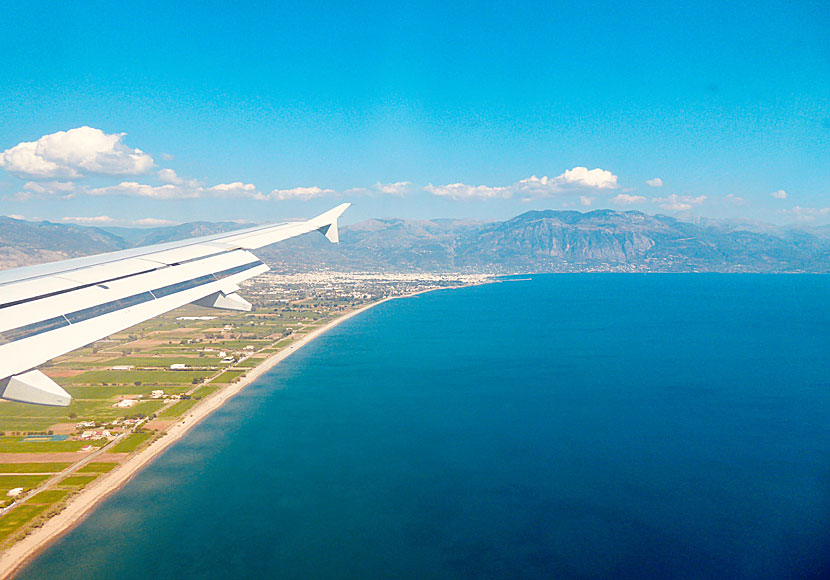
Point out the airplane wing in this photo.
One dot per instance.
(51, 309)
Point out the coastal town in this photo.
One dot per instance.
(133, 389)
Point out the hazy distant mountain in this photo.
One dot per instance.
(149, 236)
(23, 243)
(535, 241)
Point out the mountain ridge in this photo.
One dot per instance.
(534, 241)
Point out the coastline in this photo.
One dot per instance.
(82, 504)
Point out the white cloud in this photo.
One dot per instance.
(73, 154)
(169, 176)
(186, 190)
(576, 179)
(626, 199)
(398, 188)
(676, 202)
(807, 213)
(780, 194)
(301, 193)
(733, 199)
(52, 188)
(153, 222)
(105, 220)
(16, 216)
(595, 178)
(585, 200)
(90, 220)
(461, 191)
(656, 182)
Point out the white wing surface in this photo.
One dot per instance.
(51, 309)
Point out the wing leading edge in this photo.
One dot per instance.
(51, 309)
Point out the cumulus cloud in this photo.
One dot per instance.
(780, 194)
(576, 179)
(169, 176)
(807, 214)
(74, 153)
(594, 178)
(398, 188)
(656, 182)
(676, 202)
(300, 193)
(626, 199)
(153, 222)
(186, 190)
(105, 220)
(585, 200)
(462, 191)
(52, 188)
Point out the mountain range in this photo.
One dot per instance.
(535, 241)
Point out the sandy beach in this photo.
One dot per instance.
(80, 505)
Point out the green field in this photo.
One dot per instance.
(50, 496)
(18, 517)
(97, 467)
(228, 376)
(130, 443)
(250, 363)
(110, 393)
(163, 362)
(204, 391)
(33, 467)
(15, 445)
(77, 480)
(178, 409)
(8, 482)
(131, 377)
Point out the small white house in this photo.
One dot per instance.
(156, 394)
(14, 492)
(178, 367)
(123, 367)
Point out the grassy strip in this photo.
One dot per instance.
(32, 467)
(97, 467)
(78, 481)
(50, 496)
(177, 409)
(15, 445)
(130, 443)
(131, 377)
(204, 391)
(8, 482)
(228, 376)
(250, 362)
(19, 517)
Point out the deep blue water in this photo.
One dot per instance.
(572, 426)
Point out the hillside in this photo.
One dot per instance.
(535, 241)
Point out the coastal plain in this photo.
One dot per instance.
(137, 391)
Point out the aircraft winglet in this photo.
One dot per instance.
(327, 222)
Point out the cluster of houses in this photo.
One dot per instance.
(91, 431)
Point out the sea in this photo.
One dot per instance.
(583, 426)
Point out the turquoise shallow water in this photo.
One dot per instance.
(572, 426)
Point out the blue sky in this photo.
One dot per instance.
(262, 111)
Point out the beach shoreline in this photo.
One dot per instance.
(81, 505)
